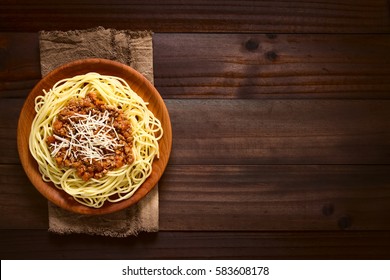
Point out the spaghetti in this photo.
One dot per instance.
(91, 135)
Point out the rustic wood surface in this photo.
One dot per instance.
(280, 114)
(295, 16)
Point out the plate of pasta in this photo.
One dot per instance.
(94, 136)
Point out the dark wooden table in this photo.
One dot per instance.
(281, 128)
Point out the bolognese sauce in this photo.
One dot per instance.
(91, 137)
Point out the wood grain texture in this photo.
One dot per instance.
(286, 131)
(237, 66)
(39, 244)
(330, 16)
(308, 179)
(251, 66)
(21, 205)
(240, 198)
(275, 197)
(19, 64)
(280, 131)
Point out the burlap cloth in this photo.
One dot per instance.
(133, 48)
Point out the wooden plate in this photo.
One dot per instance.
(105, 67)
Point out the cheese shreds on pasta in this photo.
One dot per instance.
(93, 137)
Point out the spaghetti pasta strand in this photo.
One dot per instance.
(116, 185)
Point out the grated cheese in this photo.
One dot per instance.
(90, 137)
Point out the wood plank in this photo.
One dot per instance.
(286, 131)
(19, 64)
(19, 56)
(21, 205)
(328, 16)
(280, 131)
(239, 198)
(247, 66)
(9, 115)
(276, 197)
(39, 244)
(269, 66)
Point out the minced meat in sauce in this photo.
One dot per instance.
(91, 137)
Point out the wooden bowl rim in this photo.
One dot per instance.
(132, 77)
